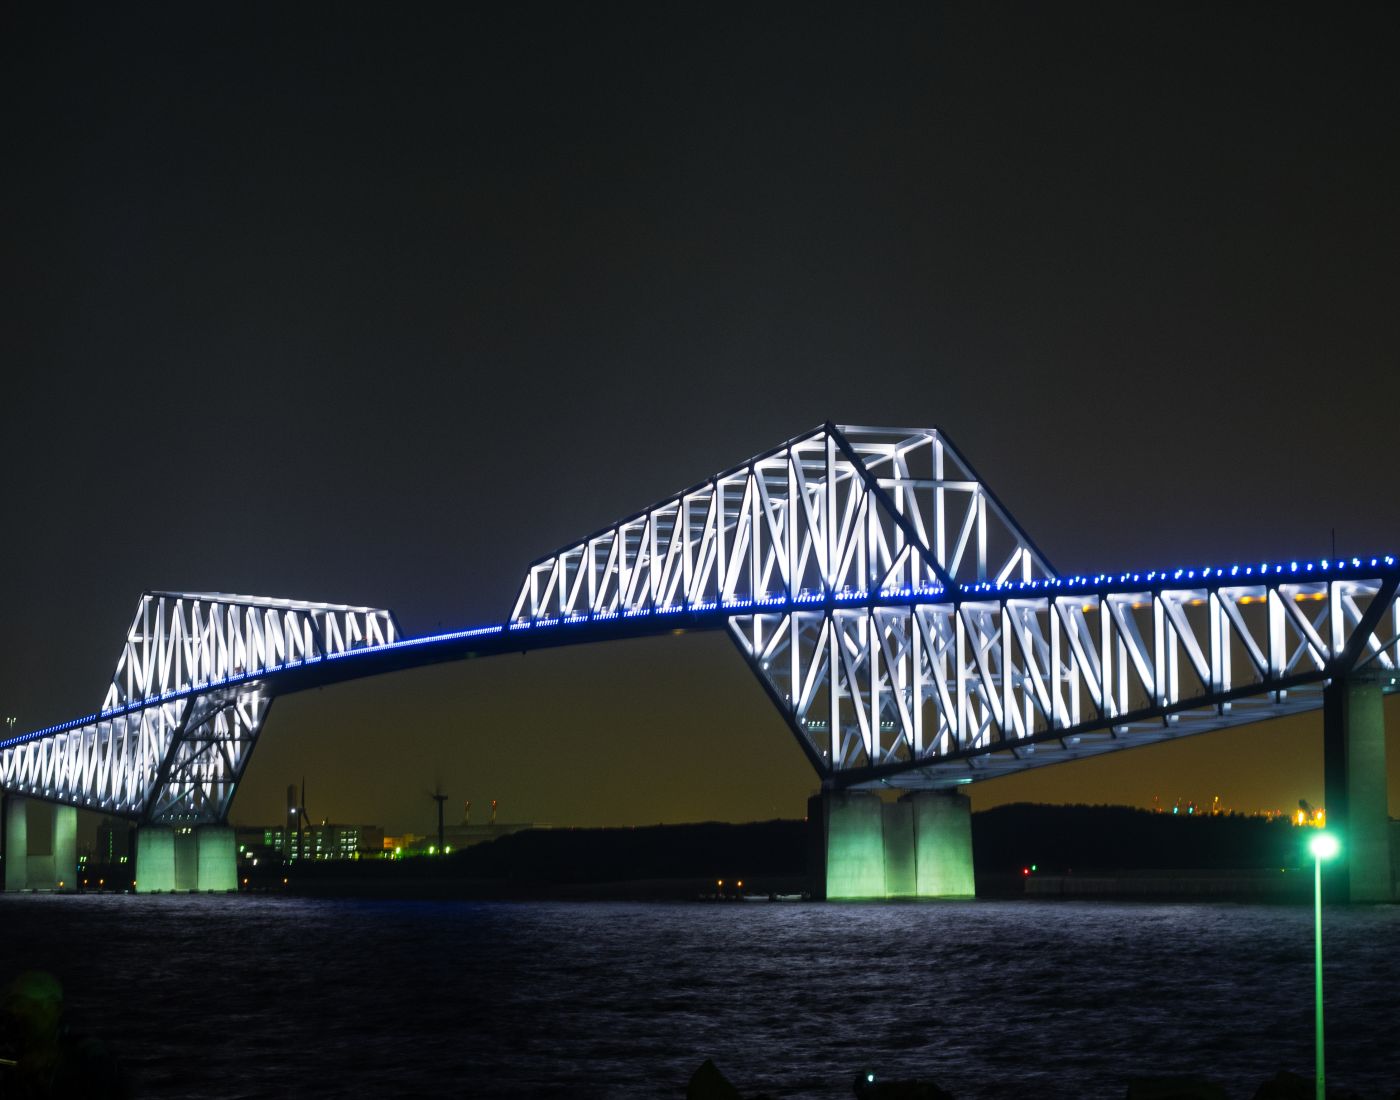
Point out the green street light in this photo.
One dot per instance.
(1323, 846)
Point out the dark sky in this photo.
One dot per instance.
(375, 305)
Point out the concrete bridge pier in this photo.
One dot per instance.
(216, 854)
(56, 869)
(865, 847)
(155, 860)
(185, 860)
(1354, 781)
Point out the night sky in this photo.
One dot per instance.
(374, 305)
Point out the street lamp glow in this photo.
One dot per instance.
(1323, 846)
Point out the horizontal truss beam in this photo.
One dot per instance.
(902, 622)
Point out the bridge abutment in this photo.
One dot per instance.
(917, 847)
(56, 869)
(1354, 780)
(170, 860)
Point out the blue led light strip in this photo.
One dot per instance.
(1360, 568)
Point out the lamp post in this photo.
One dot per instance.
(1323, 846)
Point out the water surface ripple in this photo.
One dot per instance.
(261, 996)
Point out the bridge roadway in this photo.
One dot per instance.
(908, 631)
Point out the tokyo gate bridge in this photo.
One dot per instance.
(909, 631)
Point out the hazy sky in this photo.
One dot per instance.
(376, 306)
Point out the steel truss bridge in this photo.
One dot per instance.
(908, 630)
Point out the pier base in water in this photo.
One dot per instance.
(1354, 775)
(217, 855)
(865, 847)
(56, 869)
(202, 859)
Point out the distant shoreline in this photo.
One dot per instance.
(1278, 887)
(1021, 850)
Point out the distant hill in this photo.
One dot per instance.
(772, 855)
(1062, 838)
(1055, 838)
(711, 850)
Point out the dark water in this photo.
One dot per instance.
(248, 996)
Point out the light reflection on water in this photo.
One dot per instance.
(248, 996)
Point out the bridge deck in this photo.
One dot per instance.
(951, 688)
(901, 621)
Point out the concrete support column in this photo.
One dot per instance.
(943, 843)
(169, 860)
(901, 865)
(864, 847)
(65, 849)
(217, 857)
(56, 869)
(186, 860)
(16, 843)
(853, 845)
(1354, 780)
(155, 859)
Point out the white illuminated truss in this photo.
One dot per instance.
(186, 704)
(902, 622)
(832, 512)
(996, 678)
(911, 634)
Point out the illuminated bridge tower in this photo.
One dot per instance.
(827, 559)
(915, 640)
(908, 631)
(189, 697)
